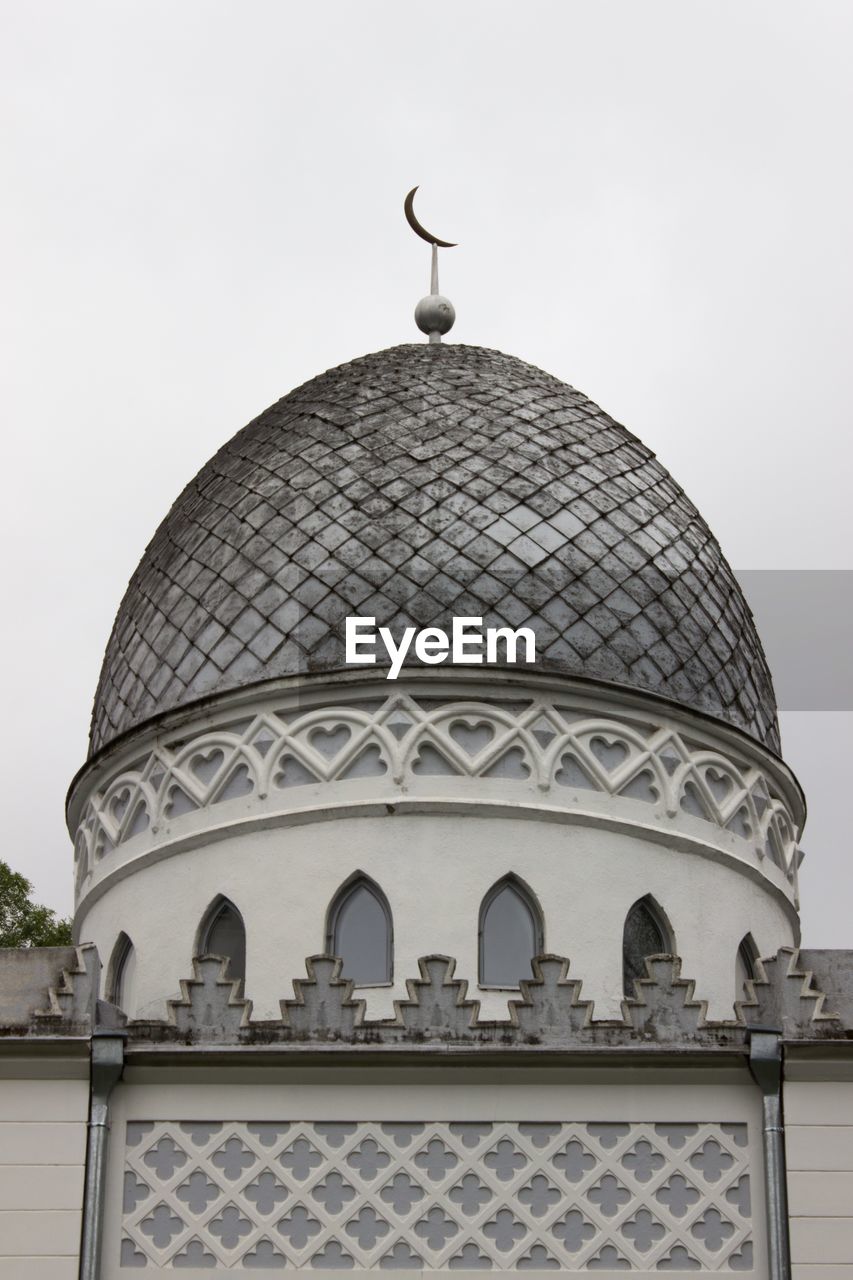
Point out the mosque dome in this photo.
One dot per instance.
(417, 484)
(613, 795)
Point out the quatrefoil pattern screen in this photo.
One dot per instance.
(437, 1195)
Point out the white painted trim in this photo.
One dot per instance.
(658, 775)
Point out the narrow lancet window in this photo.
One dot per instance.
(510, 934)
(121, 976)
(747, 954)
(223, 933)
(647, 933)
(359, 930)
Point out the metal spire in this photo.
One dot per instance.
(434, 314)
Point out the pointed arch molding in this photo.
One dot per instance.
(749, 950)
(120, 986)
(119, 957)
(300, 757)
(222, 932)
(746, 962)
(360, 931)
(646, 932)
(518, 930)
(649, 904)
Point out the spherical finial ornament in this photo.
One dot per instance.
(435, 314)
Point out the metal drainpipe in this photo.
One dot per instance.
(107, 1064)
(765, 1063)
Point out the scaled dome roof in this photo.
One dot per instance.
(416, 484)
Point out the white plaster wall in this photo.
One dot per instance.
(435, 869)
(819, 1145)
(42, 1155)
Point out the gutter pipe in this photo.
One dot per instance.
(107, 1066)
(765, 1063)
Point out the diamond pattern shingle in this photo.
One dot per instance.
(415, 484)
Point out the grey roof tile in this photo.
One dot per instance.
(433, 481)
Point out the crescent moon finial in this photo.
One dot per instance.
(434, 315)
(418, 228)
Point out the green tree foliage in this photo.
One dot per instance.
(23, 923)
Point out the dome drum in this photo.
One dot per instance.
(275, 796)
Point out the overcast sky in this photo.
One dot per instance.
(202, 209)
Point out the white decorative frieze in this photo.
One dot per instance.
(435, 1195)
(539, 750)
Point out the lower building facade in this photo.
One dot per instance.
(432, 1141)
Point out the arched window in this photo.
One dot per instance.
(747, 954)
(358, 929)
(121, 975)
(647, 933)
(510, 934)
(222, 933)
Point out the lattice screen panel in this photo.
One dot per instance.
(437, 1196)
